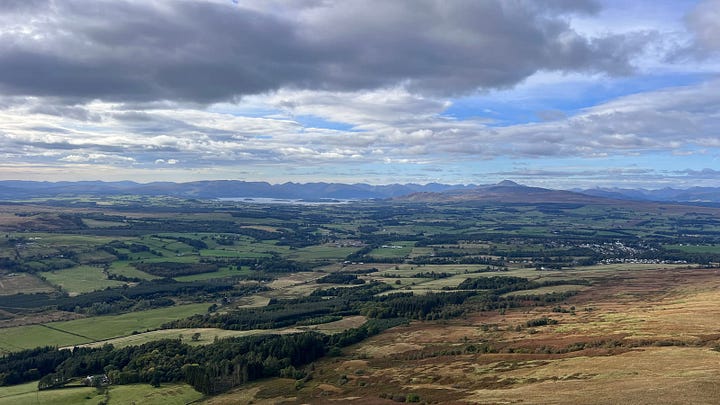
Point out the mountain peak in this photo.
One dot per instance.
(508, 183)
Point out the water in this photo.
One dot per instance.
(294, 201)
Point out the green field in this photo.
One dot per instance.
(80, 279)
(105, 327)
(322, 252)
(209, 335)
(124, 268)
(80, 331)
(394, 250)
(28, 337)
(55, 240)
(172, 394)
(231, 253)
(695, 248)
(29, 394)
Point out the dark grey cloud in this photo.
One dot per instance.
(18, 6)
(73, 112)
(205, 51)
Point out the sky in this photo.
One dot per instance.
(553, 93)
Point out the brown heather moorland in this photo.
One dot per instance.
(635, 337)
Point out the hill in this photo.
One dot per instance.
(507, 192)
(13, 190)
(695, 195)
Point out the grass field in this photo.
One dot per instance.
(65, 240)
(124, 268)
(105, 327)
(228, 252)
(401, 278)
(321, 252)
(170, 394)
(81, 331)
(695, 248)
(245, 248)
(29, 394)
(208, 335)
(396, 250)
(80, 279)
(28, 337)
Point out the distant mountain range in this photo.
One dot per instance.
(14, 189)
(505, 191)
(691, 195)
(511, 192)
(508, 192)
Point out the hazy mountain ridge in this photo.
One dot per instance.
(505, 191)
(689, 195)
(15, 189)
(511, 192)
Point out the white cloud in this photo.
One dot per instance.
(97, 158)
(384, 123)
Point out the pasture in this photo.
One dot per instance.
(124, 268)
(30, 336)
(87, 330)
(80, 279)
(109, 326)
(167, 394)
(394, 250)
(209, 335)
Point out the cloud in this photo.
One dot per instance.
(551, 115)
(698, 44)
(361, 87)
(704, 23)
(705, 173)
(588, 176)
(208, 51)
(97, 158)
(659, 120)
(383, 126)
